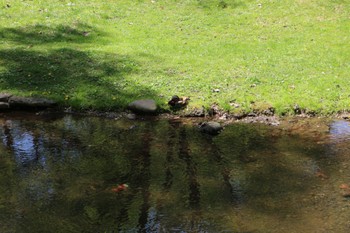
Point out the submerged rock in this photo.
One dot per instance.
(146, 106)
(211, 127)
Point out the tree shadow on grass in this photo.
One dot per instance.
(70, 76)
(41, 34)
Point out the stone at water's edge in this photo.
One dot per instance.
(195, 112)
(16, 101)
(8, 101)
(146, 106)
(211, 127)
(4, 97)
(131, 116)
(4, 105)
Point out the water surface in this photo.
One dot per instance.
(59, 174)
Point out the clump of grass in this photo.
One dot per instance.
(102, 55)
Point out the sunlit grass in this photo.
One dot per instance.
(265, 53)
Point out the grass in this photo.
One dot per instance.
(104, 54)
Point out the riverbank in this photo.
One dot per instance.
(147, 109)
(313, 122)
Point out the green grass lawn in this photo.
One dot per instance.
(104, 54)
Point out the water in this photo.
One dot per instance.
(61, 173)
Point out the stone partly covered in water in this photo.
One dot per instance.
(145, 106)
(211, 127)
(30, 102)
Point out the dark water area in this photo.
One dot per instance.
(66, 174)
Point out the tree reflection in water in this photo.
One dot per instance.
(57, 175)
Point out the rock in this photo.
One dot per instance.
(224, 116)
(4, 105)
(214, 110)
(269, 112)
(297, 109)
(4, 97)
(29, 102)
(146, 106)
(344, 186)
(235, 105)
(346, 194)
(195, 112)
(252, 114)
(131, 116)
(210, 127)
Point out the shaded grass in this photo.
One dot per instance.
(70, 76)
(73, 77)
(262, 54)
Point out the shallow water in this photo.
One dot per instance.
(60, 174)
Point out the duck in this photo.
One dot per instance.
(178, 102)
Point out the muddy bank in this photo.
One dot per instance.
(307, 126)
(301, 122)
(143, 109)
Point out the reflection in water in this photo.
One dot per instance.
(340, 130)
(57, 175)
(7, 139)
(169, 159)
(145, 162)
(191, 170)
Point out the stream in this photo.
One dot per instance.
(68, 173)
